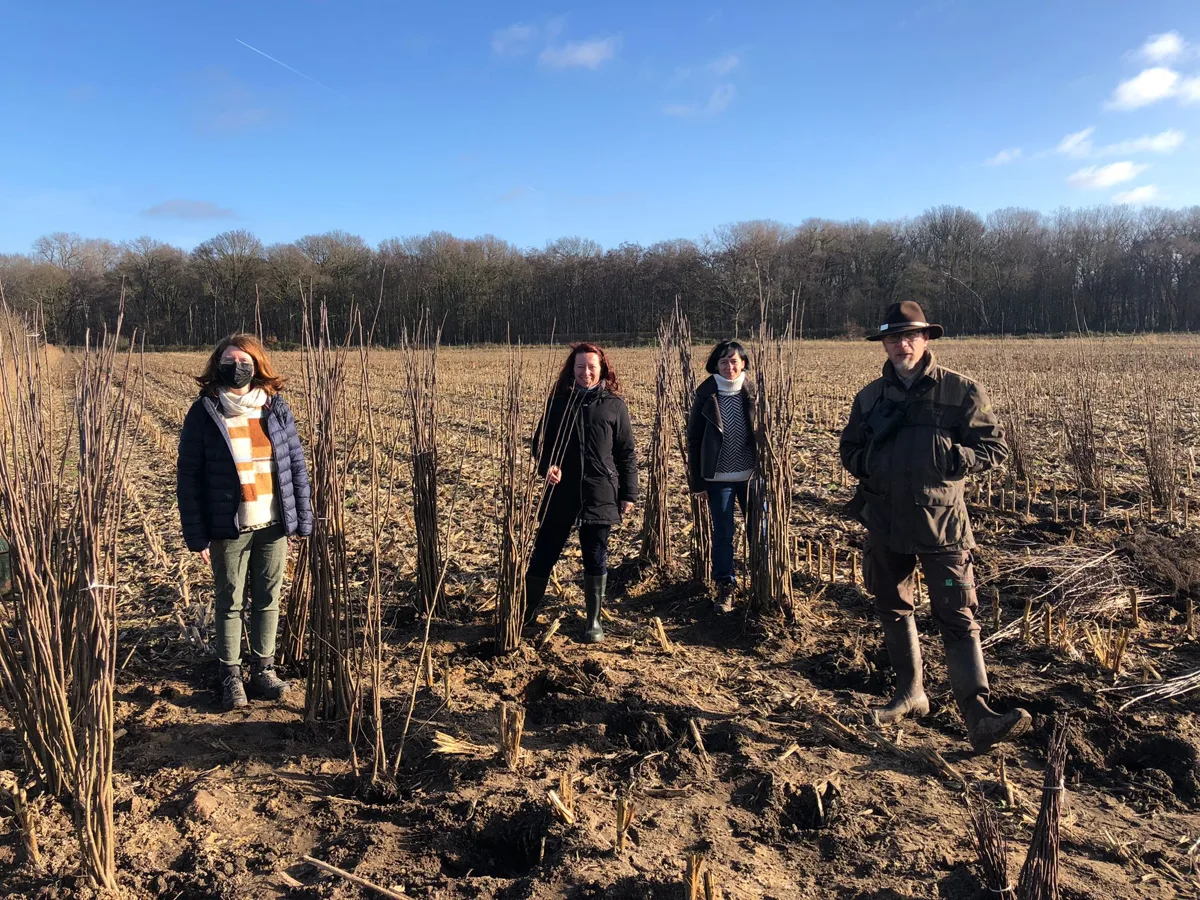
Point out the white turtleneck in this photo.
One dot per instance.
(729, 385)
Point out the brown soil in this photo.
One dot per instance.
(213, 804)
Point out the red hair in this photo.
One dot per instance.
(608, 374)
(265, 375)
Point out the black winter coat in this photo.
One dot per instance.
(207, 483)
(705, 430)
(596, 454)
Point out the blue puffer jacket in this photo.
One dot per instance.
(207, 482)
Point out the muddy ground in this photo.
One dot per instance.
(215, 804)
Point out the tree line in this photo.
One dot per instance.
(1017, 271)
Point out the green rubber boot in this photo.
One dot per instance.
(593, 592)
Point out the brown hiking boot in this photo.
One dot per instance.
(724, 601)
(233, 692)
(264, 683)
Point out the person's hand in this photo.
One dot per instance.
(206, 556)
(626, 507)
(553, 475)
(700, 492)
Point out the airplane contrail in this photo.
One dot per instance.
(280, 62)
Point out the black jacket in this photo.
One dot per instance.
(705, 428)
(594, 444)
(207, 483)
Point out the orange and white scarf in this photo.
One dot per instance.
(253, 456)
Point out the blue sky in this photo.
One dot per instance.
(615, 121)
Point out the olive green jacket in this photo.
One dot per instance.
(910, 483)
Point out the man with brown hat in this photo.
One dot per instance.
(914, 435)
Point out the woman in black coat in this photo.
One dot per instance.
(243, 490)
(584, 445)
(722, 457)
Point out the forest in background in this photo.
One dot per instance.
(1015, 271)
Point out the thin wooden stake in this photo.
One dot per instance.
(355, 879)
(427, 664)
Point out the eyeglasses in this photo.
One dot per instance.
(909, 338)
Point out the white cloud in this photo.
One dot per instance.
(1163, 47)
(1148, 86)
(1010, 154)
(718, 102)
(513, 40)
(1077, 144)
(1164, 142)
(581, 54)
(1189, 90)
(725, 64)
(1095, 177)
(720, 99)
(188, 209)
(1134, 196)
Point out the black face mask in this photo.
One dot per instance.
(235, 375)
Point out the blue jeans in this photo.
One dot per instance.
(721, 495)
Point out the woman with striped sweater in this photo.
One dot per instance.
(721, 453)
(243, 490)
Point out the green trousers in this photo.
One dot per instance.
(261, 556)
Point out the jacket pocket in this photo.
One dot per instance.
(943, 454)
(874, 512)
(943, 525)
(938, 495)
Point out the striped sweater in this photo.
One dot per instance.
(735, 462)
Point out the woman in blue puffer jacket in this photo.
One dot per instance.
(243, 490)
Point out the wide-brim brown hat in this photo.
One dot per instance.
(906, 315)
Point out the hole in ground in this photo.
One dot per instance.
(507, 845)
